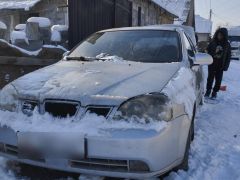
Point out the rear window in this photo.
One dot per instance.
(147, 46)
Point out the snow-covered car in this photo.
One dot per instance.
(143, 83)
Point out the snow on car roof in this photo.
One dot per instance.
(152, 27)
(18, 4)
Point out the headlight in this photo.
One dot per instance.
(147, 107)
(8, 98)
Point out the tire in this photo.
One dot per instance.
(184, 165)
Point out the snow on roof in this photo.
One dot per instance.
(203, 25)
(180, 8)
(18, 4)
(234, 31)
(42, 21)
(2, 25)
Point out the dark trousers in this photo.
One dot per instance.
(217, 74)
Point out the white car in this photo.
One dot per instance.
(137, 76)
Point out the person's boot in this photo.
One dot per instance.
(214, 95)
(207, 94)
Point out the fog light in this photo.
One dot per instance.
(138, 166)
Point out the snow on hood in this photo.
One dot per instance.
(80, 81)
(90, 125)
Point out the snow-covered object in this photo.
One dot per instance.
(20, 27)
(59, 28)
(18, 4)
(56, 36)
(180, 8)
(2, 25)
(30, 53)
(234, 31)
(18, 35)
(203, 25)
(42, 21)
(181, 90)
(91, 124)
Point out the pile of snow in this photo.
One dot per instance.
(18, 4)
(91, 124)
(42, 21)
(2, 25)
(18, 35)
(20, 27)
(203, 25)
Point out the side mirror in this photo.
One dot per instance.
(203, 59)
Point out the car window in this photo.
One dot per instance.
(148, 46)
(189, 46)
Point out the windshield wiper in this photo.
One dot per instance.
(82, 58)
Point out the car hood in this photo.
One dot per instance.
(91, 82)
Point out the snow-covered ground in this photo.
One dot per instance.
(215, 152)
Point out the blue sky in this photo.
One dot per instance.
(225, 12)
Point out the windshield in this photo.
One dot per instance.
(234, 38)
(148, 46)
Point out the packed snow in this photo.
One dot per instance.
(18, 4)
(20, 27)
(187, 96)
(59, 28)
(2, 25)
(215, 151)
(42, 21)
(18, 35)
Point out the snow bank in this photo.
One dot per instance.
(20, 27)
(42, 21)
(18, 4)
(181, 91)
(18, 35)
(2, 25)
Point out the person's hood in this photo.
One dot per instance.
(224, 31)
(72, 80)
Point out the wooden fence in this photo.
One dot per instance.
(12, 68)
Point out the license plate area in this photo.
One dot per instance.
(42, 145)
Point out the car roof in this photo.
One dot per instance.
(151, 27)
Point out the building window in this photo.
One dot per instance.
(139, 16)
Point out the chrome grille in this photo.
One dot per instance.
(100, 111)
(61, 109)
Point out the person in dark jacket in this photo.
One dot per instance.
(220, 49)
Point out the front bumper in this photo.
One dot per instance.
(160, 151)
